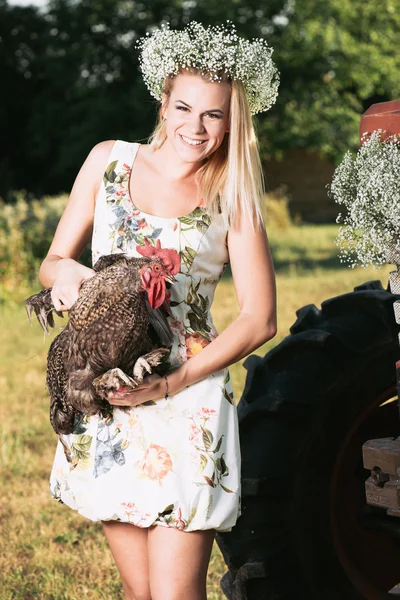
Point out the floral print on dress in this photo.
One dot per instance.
(128, 227)
(194, 344)
(199, 332)
(77, 446)
(156, 463)
(199, 221)
(227, 388)
(173, 517)
(58, 483)
(174, 462)
(203, 440)
(134, 514)
(109, 450)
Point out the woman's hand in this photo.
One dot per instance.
(60, 269)
(152, 388)
(69, 277)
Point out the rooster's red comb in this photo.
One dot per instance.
(168, 256)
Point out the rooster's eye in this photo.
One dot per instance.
(156, 267)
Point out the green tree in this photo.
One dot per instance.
(336, 58)
(22, 40)
(73, 80)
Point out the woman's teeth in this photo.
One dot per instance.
(192, 142)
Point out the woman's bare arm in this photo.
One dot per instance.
(254, 281)
(60, 268)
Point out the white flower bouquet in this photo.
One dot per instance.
(368, 186)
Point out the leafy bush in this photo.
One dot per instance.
(27, 229)
(276, 209)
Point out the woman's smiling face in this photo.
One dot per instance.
(197, 116)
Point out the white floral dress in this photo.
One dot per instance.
(173, 462)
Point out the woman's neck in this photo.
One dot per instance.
(171, 166)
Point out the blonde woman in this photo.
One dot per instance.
(164, 476)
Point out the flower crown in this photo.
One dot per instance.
(214, 50)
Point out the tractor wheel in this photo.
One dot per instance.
(308, 406)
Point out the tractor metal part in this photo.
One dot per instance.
(382, 458)
(394, 283)
(384, 116)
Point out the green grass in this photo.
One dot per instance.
(48, 552)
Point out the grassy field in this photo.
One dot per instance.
(46, 551)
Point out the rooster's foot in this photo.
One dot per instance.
(114, 380)
(145, 363)
(42, 305)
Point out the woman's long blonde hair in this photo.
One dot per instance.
(231, 180)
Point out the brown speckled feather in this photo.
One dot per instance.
(108, 327)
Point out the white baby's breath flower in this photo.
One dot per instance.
(368, 185)
(213, 50)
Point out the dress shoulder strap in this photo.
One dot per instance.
(113, 190)
(122, 156)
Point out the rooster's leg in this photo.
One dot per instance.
(145, 363)
(114, 380)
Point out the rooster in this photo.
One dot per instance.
(115, 333)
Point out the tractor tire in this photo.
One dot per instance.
(308, 406)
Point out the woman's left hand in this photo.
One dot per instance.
(152, 388)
